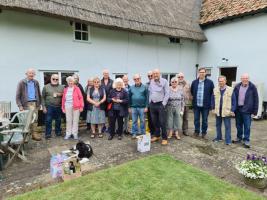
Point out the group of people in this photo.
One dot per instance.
(107, 105)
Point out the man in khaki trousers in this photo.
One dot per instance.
(28, 97)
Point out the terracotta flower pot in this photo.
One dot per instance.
(259, 183)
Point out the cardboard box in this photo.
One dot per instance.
(71, 169)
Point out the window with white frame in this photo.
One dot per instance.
(208, 71)
(46, 76)
(168, 76)
(81, 32)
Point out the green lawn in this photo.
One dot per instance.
(156, 177)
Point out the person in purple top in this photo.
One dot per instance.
(247, 105)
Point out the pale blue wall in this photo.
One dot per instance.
(47, 44)
(243, 42)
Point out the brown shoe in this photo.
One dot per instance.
(170, 135)
(155, 139)
(36, 137)
(164, 142)
(204, 137)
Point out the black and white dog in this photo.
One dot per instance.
(85, 150)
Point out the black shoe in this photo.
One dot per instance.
(110, 137)
(126, 133)
(237, 141)
(119, 137)
(196, 134)
(185, 133)
(58, 135)
(48, 137)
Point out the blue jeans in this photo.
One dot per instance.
(138, 112)
(243, 123)
(204, 113)
(53, 112)
(227, 125)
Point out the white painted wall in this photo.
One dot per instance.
(47, 44)
(243, 42)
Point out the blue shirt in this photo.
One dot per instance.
(200, 93)
(31, 90)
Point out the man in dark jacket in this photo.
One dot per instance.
(106, 83)
(247, 104)
(201, 90)
(28, 97)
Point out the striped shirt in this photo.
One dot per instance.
(200, 93)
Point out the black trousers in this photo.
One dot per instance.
(158, 116)
(150, 123)
(112, 122)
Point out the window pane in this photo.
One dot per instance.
(84, 27)
(78, 26)
(165, 76)
(78, 35)
(85, 36)
(64, 75)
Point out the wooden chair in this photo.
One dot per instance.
(16, 134)
(5, 109)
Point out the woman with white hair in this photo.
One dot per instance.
(72, 105)
(96, 109)
(175, 109)
(118, 107)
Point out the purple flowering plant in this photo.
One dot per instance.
(254, 167)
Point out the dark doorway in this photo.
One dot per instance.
(230, 74)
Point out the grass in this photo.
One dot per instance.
(155, 177)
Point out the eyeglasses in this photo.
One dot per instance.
(54, 79)
(96, 81)
(136, 79)
(180, 77)
(174, 82)
(149, 75)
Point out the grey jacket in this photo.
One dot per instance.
(21, 94)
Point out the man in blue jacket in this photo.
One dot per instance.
(247, 105)
(201, 90)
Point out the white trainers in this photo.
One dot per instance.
(75, 137)
(66, 137)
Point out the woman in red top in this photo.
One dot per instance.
(72, 105)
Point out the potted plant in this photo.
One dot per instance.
(254, 170)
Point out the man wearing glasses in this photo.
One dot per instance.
(202, 91)
(51, 100)
(182, 84)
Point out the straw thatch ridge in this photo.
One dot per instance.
(176, 18)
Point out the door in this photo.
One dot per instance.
(229, 73)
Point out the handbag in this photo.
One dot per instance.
(109, 106)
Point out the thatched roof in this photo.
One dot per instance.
(220, 10)
(176, 18)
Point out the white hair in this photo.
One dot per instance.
(70, 78)
(116, 81)
(174, 79)
(30, 70)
